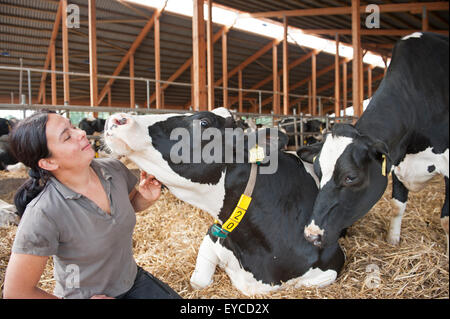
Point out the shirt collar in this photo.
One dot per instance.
(70, 194)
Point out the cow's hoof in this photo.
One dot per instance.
(198, 283)
(393, 239)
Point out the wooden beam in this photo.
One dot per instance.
(336, 78)
(187, 64)
(250, 59)
(344, 86)
(48, 57)
(314, 83)
(137, 42)
(285, 68)
(356, 67)
(291, 65)
(65, 51)
(424, 19)
(371, 32)
(414, 7)
(93, 82)
(225, 69)
(198, 43)
(369, 81)
(275, 106)
(132, 91)
(240, 91)
(309, 97)
(53, 76)
(157, 63)
(210, 58)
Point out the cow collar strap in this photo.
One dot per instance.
(236, 217)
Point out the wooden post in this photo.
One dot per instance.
(65, 50)
(132, 97)
(198, 42)
(53, 76)
(336, 79)
(344, 86)
(240, 91)
(93, 54)
(225, 69)
(275, 106)
(48, 57)
(210, 58)
(310, 97)
(285, 70)
(369, 81)
(109, 97)
(424, 19)
(314, 84)
(157, 63)
(356, 70)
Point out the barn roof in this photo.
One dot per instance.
(26, 27)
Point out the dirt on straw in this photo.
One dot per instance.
(168, 235)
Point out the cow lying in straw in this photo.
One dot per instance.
(260, 196)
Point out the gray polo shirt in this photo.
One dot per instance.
(92, 250)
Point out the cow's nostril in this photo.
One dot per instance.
(316, 240)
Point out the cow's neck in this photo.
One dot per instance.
(208, 197)
(393, 126)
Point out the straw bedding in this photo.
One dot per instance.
(168, 234)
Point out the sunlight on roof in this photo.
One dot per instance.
(267, 28)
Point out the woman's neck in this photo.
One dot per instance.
(77, 180)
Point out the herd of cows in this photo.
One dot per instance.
(285, 230)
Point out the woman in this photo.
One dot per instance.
(81, 211)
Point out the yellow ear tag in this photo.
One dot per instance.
(383, 166)
(314, 158)
(256, 154)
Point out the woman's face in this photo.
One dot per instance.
(68, 145)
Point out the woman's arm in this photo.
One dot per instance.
(23, 275)
(149, 191)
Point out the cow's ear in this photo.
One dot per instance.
(377, 149)
(308, 153)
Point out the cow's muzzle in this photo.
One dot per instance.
(314, 234)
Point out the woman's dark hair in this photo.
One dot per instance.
(28, 142)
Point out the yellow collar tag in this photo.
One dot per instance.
(383, 166)
(235, 218)
(256, 154)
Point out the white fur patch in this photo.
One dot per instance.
(313, 229)
(332, 149)
(413, 35)
(211, 253)
(413, 170)
(221, 111)
(393, 236)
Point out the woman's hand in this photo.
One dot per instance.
(149, 187)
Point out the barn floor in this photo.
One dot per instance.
(167, 237)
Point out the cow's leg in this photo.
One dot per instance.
(398, 202)
(444, 213)
(206, 264)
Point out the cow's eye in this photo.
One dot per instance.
(349, 180)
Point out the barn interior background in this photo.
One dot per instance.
(265, 59)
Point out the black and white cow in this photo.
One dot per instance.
(312, 131)
(268, 246)
(5, 126)
(404, 130)
(6, 156)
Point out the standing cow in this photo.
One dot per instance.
(404, 130)
(267, 247)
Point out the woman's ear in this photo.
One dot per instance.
(48, 164)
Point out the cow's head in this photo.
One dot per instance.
(189, 153)
(350, 169)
